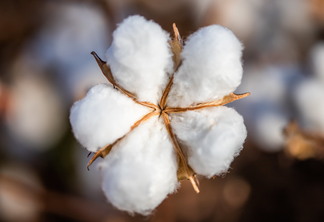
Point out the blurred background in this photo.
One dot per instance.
(45, 65)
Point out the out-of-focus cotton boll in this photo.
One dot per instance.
(212, 138)
(297, 21)
(309, 97)
(200, 7)
(140, 57)
(268, 130)
(19, 200)
(36, 116)
(103, 116)
(317, 58)
(264, 83)
(211, 67)
(241, 16)
(141, 170)
(270, 87)
(65, 42)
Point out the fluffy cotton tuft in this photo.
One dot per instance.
(211, 67)
(212, 137)
(140, 57)
(103, 116)
(141, 170)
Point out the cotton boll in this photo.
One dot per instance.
(297, 21)
(141, 170)
(317, 56)
(264, 83)
(212, 137)
(241, 16)
(103, 116)
(36, 113)
(140, 57)
(309, 96)
(268, 131)
(70, 32)
(211, 67)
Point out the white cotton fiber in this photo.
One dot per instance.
(211, 67)
(141, 170)
(309, 96)
(103, 116)
(140, 57)
(212, 138)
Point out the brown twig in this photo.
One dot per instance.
(108, 74)
(184, 171)
(302, 144)
(176, 48)
(220, 102)
(106, 149)
(166, 93)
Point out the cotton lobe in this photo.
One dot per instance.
(211, 67)
(103, 116)
(140, 57)
(160, 122)
(144, 166)
(212, 137)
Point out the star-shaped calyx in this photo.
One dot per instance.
(163, 110)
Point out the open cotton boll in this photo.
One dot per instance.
(212, 137)
(140, 57)
(103, 116)
(309, 96)
(211, 67)
(141, 170)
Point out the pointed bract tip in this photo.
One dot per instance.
(97, 58)
(176, 32)
(194, 182)
(89, 154)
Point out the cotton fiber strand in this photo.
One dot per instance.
(140, 57)
(212, 137)
(141, 171)
(103, 116)
(211, 67)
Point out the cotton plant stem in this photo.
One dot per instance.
(108, 74)
(184, 169)
(166, 93)
(103, 152)
(220, 102)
